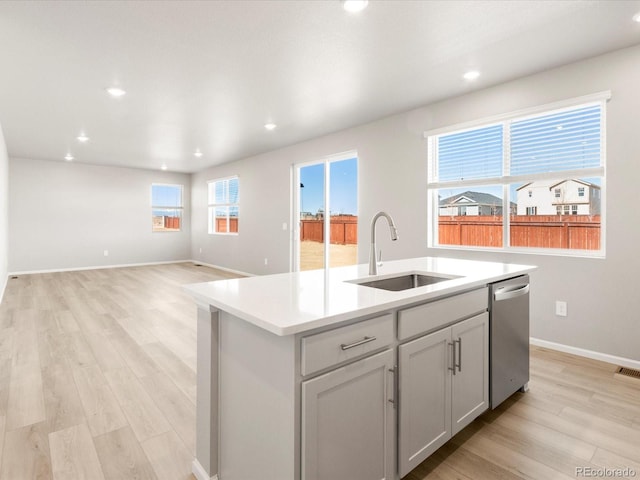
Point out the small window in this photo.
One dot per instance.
(166, 208)
(556, 192)
(574, 209)
(530, 193)
(581, 191)
(224, 206)
(532, 210)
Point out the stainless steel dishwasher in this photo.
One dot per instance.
(509, 344)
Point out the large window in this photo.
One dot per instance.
(224, 205)
(166, 207)
(531, 181)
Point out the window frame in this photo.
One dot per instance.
(212, 205)
(506, 180)
(168, 207)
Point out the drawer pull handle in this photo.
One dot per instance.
(345, 346)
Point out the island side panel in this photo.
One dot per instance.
(205, 465)
(259, 403)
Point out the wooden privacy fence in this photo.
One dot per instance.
(221, 224)
(539, 231)
(162, 222)
(172, 223)
(344, 230)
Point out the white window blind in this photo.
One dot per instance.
(470, 154)
(224, 191)
(560, 141)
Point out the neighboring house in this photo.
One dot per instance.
(565, 197)
(471, 204)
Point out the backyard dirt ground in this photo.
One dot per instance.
(312, 255)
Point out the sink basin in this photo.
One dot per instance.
(405, 281)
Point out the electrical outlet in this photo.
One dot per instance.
(200, 249)
(284, 226)
(561, 308)
(266, 261)
(106, 253)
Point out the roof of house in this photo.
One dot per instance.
(472, 198)
(554, 183)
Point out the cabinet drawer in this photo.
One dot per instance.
(335, 346)
(427, 317)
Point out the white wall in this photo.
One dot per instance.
(603, 302)
(64, 215)
(4, 213)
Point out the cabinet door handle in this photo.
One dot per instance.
(394, 372)
(345, 346)
(453, 357)
(459, 365)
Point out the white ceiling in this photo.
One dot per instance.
(209, 75)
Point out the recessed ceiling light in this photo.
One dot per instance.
(68, 157)
(270, 126)
(198, 153)
(82, 138)
(163, 167)
(116, 92)
(471, 75)
(636, 17)
(354, 5)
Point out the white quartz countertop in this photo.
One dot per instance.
(291, 303)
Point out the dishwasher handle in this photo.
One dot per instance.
(505, 293)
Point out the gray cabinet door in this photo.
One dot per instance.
(470, 392)
(348, 422)
(425, 398)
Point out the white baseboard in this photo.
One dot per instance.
(581, 352)
(97, 267)
(225, 269)
(199, 472)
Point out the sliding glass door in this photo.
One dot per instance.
(326, 209)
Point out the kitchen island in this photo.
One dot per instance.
(307, 375)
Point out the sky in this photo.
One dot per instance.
(343, 187)
(166, 195)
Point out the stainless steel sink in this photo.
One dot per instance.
(405, 281)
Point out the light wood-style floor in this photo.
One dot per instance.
(97, 380)
(578, 414)
(97, 374)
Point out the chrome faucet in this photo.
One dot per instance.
(373, 266)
